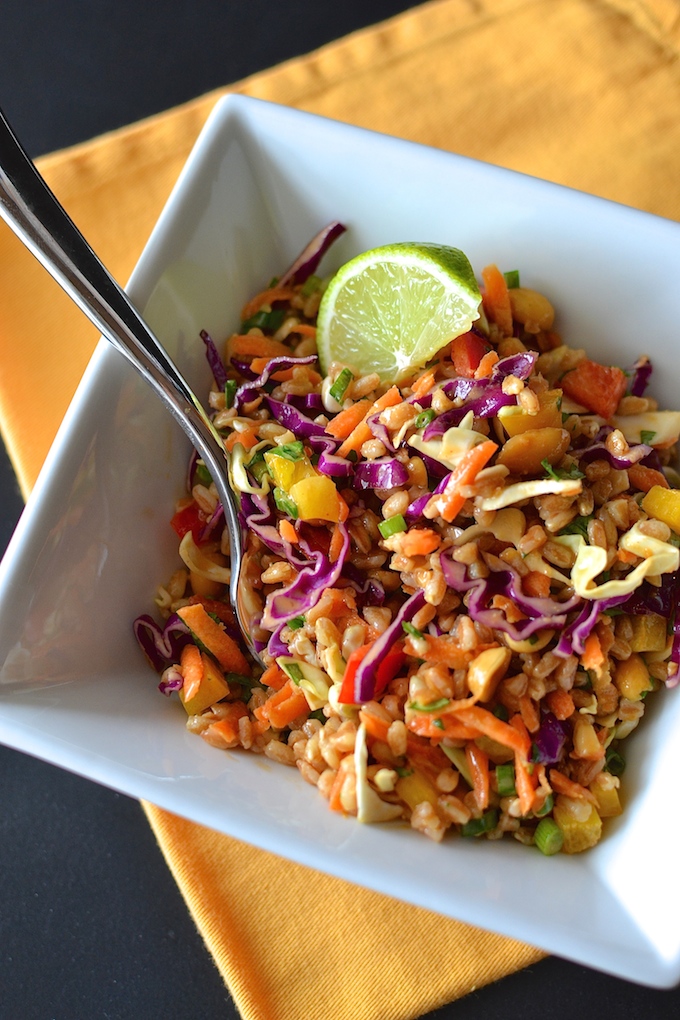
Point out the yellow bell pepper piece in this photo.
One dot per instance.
(316, 498)
(549, 416)
(664, 504)
(287, 472)
(649, 633)
(416, 788)
(580, 823)
(631, 677)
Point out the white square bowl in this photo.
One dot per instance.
(94, 540)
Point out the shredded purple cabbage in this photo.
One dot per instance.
(162, 647)
(309, 258)
(383, 473)
(364, 679)
(171, 681)
(640, 372)
(251, 390)
(307, 402)
(598, 451)
(214, 360)
(549, 741)
(336, 467)
(573, 637)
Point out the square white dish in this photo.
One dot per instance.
(94, 541)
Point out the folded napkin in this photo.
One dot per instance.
(578, 92)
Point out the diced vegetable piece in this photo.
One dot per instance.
(607, 795)
(316, 498)
(286, 472)
(496, 299)
(632, 678)
(532, 309)
(416, 788)
(487, 670)
(664, 505)
(580, 823)
(523, 454)
(213, 687)
(649, 633)
(466, 353)
(548, 837)
(505, 780)
(392, 526)
(515, 419)
(597, 387)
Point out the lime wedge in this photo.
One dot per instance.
(391, 309)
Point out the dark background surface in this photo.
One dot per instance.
(91, 923)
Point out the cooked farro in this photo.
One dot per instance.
(492, 566)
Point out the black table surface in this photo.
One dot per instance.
(92, 924)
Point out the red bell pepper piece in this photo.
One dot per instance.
(384, 674)
(189, 518)
(467, 352)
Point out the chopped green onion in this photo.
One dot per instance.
(547, 807)
(392, 526)
(230, 388)
(646, 436)
(311, 284)
(293, 671)
(403, 773)
(202, 474)
(339, 387)
(285, 504)
(432, 706)
(264, 320)
(548, 837)
(477, 826)
(272, 283)
(318, 714)
(560, 473)
(512, 279)
(614, 762)
(565, 416)
(438, 723)
(289, 451)
(408, 628)
(243, 681)
(614, 611)
(296, 622)
(501, 712)
(257, 466)
(505, 780)
(352, 456)
(424, 418)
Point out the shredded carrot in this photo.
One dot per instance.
(509, 609)
(488, 724)
(524, 784)
(256, 346)
(560, 703)
(376, 727)
(274, 677)
(337, 542)
(561, 784)
(281, 708)
(424, 384)
(536, 584)
(288, 532)
(478, 763)
(346, 421)
(192, 671)
(496, 299)
(265, 297)
(486, 364)
(334, 801)
(362, 433)
(624, 556)
(215, 639)
(444, 648)
(227, 725)
(286, 374)
(452, 727)
(343, 512)
(304, 329)
(220, 609)
(529, 713)
(450, 502)
(593, 656)
(419, 542)
(643, 478)
(248, 439)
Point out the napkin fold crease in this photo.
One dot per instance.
(581, 92)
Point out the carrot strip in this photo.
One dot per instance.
(441, 649)
(346, 421)
(419, 542)
(304, 329)
(227, 724)
(288, 532)
(424, 384)
(343, 512)
(265, 297)
(486, 364)
(561, 784)
(488, 724)
(375, 726)
(496, 299)
(248, 439)
(560, 703)
(192, 671)
(593, 656)
(451, 726)
(254, 345)
(215, 639)
(529, 713)
(214, 606)
(450, 502)
(281, 708)
(274, 677)
(643, 478)
(334, 801)
(362, 433)
(478, 763)
(524, 783)
(337, 542)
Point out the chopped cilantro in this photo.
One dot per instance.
(558, 474)
(646, 436)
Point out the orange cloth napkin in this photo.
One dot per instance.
(578, 92)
